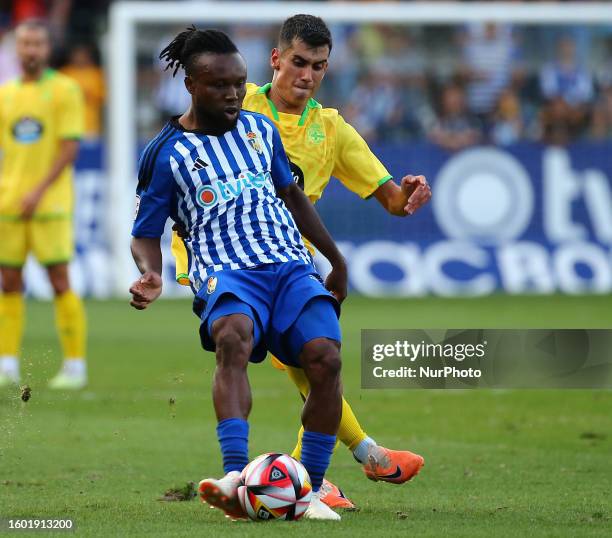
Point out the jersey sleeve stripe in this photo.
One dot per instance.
(152, 157)
(146, 152)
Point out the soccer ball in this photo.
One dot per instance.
(275, 486)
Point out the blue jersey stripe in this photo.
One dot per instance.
(239, 206)
(213, 214)
(253, 196)
(146, 153)
(151, 156)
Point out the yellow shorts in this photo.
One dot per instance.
(50, 240)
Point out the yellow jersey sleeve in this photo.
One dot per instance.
(71, 112)
(355, 165)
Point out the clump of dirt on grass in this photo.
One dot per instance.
(26, 393)
(596, 436)
(184, 493)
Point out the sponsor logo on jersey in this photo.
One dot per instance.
(27, 130)
(211, 285)
(315, 133)
(255, 141)
(209, 195)
(298, 175)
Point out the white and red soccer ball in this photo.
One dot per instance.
(275, 486)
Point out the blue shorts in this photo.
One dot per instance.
(287, 303)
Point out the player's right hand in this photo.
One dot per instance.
(145, 290)
(337, 281)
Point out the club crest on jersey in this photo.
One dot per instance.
(315, 134)
(255, 141)
(211, 285)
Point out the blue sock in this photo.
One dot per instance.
(317, 449)
(233, 435)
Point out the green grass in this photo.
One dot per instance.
(502, 463)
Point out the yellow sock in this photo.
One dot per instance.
(12, 310)
(71, 324)
(350, 432)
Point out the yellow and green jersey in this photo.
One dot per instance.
(319, 145)
(34, 118)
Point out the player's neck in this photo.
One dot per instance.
(191, 121)
(282, 105)
(33, 76)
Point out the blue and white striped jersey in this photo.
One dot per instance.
(222, 189)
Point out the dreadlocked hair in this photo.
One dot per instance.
(192, 42)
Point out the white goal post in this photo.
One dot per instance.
(125, 16)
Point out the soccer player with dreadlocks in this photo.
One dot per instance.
(223, 175)
(320, 144)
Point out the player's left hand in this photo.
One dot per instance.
(417, 190)
(145, 290)
(29, 203)
(337, 281)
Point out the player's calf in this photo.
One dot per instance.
(233, 337)
(320, 359)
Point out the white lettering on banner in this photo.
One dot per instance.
(469, 254)
(404, 256)
(598, 199)
(561, 187)
(524, 267)
(483, 203)
(483, 194)
(566, 260)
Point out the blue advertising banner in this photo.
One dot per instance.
(522, 219)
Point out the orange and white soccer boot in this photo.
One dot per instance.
(394, 466)
(333, 496)
(317, 509)
(223, 494)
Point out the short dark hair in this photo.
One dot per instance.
(310, 29)
(193, 42)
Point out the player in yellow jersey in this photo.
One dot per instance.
(41, 122)
(320, 144)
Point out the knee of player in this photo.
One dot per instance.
(233, 334)
(59, 280)
(321, 358)
(12, 286)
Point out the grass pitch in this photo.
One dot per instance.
(498, 463)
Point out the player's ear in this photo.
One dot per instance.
(275, 59)
(189, 84)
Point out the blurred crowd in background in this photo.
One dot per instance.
(453, 85)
